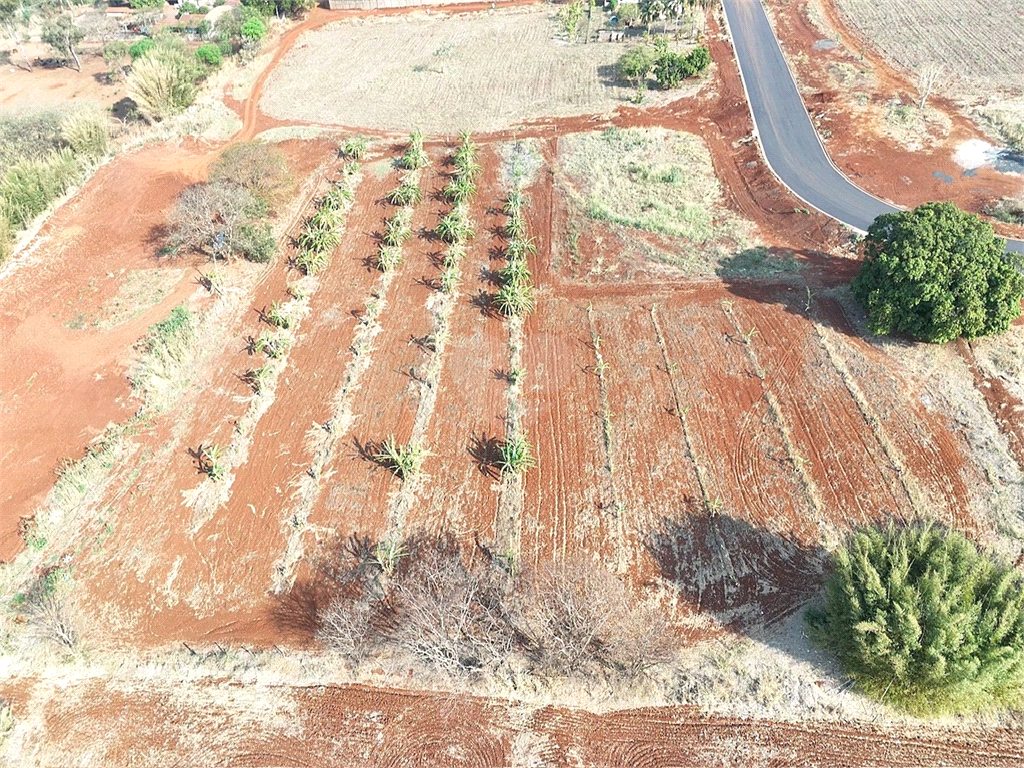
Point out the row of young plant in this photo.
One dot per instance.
(455, 229)
(321, 234)
(322, 231)
(406, 196)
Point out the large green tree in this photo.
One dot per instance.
(924, 620)
(936, 273)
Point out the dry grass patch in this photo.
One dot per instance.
(142, 289)
(650, 179)
(478, 72)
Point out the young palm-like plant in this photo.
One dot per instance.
(212, 462)
(514, 298)
(515, 227)
(519, 248)
(406, 193)
(280, 316)
(454, 227)
(311, 262)
(386, 555)
(259, 378)
(404, 460)
(449, 279)
(415, 156)
(336, 198)
(516, 455)
(389, 257)
(514, 203)
(460, 190)
(397, 229)
(318, 236)
(515, 271)
(273, 346)
(354, 147)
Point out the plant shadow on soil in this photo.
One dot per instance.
(751, 578)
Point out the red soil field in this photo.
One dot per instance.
(785, 455)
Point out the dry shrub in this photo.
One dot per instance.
(257, 167)
(466, 614)
(579, 618)
(452, 614)
(43, 606)
(222, 220)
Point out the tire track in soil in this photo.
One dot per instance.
(846, 463)
(746, 552)
(734, 435)
(457, 494)
(562, 514)
(356, 493)
(362, 725)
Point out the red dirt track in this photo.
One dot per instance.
(362, 726)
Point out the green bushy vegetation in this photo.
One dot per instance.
(42, 155)
(163, 80)
(924, 620)
(210, 55)
(937, 273)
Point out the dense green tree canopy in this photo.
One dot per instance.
(923, 620)
(936, 273)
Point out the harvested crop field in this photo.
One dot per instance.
(982, 41)
(478, 72)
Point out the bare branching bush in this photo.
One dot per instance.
(467, 614)
(451, 614)
(222, 220)
(580, 618)
(43, 606)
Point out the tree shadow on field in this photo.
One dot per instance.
(791, 280)
(750, 578)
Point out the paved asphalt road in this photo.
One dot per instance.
(784, 128)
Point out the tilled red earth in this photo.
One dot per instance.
(701, 438)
